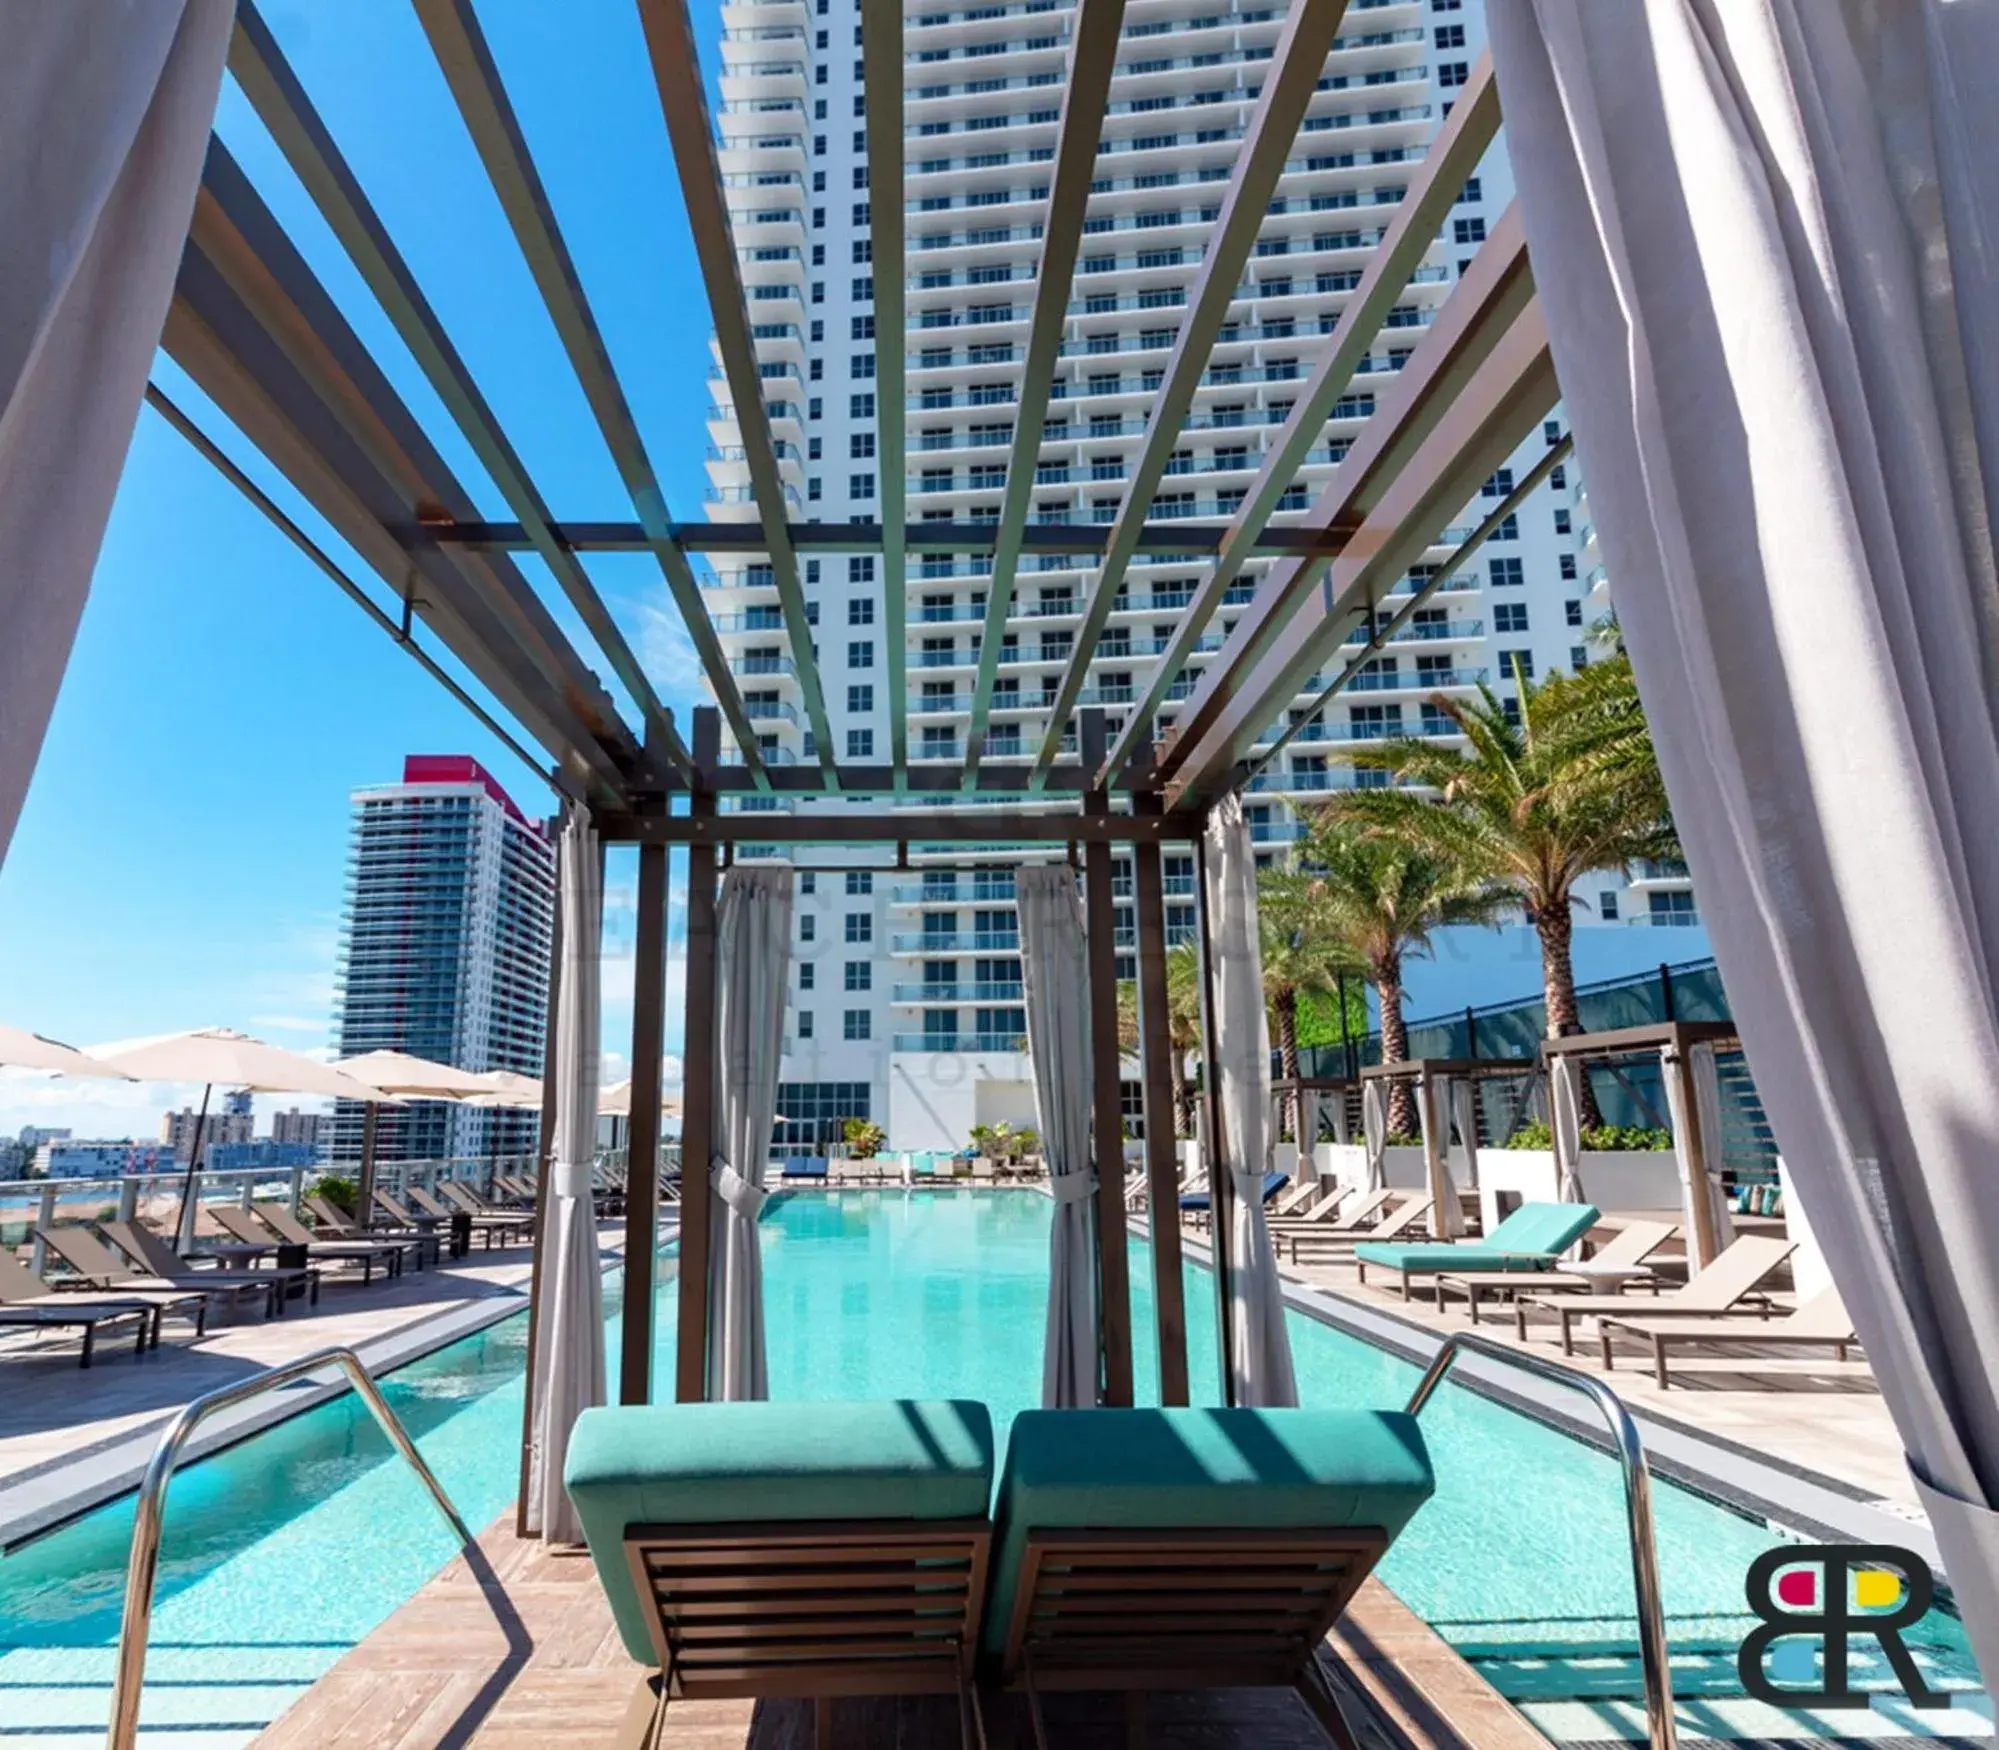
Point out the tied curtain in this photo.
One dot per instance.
(569, 1336)
(1464, 1114)
(1055, 976)
(752, 974)
(1565, 1125)
(1374, 1131)
(1693, 1104)
(105, 110)
(1260, 1359)
(1763, 234)
(1433, 1116)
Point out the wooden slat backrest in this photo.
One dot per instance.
(839, 1607)
(1180, 1609)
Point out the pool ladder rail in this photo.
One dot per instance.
(148, 1515)
(1662, 1730)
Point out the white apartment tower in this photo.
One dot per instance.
(933, 1046)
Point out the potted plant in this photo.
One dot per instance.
(863, 1137)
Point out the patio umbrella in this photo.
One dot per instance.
(19, 1050)
(396, 1073)
(616, 1101)
(220, 1056)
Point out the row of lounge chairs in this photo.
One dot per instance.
(125, 1276)
(830, 1549)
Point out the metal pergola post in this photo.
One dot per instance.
(1107, 1105)
(697, 1123)
(642, 1129)
(544, 1155)
(1162, 1161)
(1220, 1191)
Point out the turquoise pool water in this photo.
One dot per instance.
(282, 1553)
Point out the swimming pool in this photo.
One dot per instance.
(1519, 1561)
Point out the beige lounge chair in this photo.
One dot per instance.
(1819, 1323)
(239, 1224)
(22, 1287)
(494, 1225)
(1345, 1238)
(151, 1252)
(1735, 1278)
(336, 1224)
(1337, 1208)
(39, 1308)
(288, 1227)
(97, 1266)
(464, 1199)
(1295, 1199)
(1619, 1265)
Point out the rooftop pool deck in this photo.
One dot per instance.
(1519, 1566)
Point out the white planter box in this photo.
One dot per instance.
(1627, 1181)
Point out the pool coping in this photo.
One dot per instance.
(1786, 1496)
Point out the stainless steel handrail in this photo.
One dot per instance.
(148, 1516)
(1662, 1729)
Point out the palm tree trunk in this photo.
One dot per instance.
(1395, 1046)
(1556, 929)
(1179, 1073)
(1287, 1054)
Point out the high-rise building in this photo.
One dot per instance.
(933, 1046)
(297, 1126)
(231, 1118)
(444, 951)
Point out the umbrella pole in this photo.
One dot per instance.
(184, 1221)
(364, 1196)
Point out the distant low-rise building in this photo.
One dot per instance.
(67, 1159)
(263, 1155)
(231, 1119)
(297, 1126)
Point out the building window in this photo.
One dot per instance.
(810, 1115)
(861, 611)
(1559, 477)
(861, 653)
(1452, 74)
(808, 882)
(861, 569)
(860, 486)
(861, 407)
(1464, 231)
(1498, 485)
(1579, 656)
(1505, 573)
(1516, 665)
(808, 927)
(860, 926)
(860, 700)
(1509, 617)
(1561, 522)
(860, 975)
(1551, 431)
(860, 744)
(805, 1023)
(861, 328)
(856, 1024)
(1607, 907)
(861, 446)
(807, 972)
(1567, 562)
(861, 367)
(1450, 36)
(1572, 613)
(859, 884)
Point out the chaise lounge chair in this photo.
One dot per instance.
(1734, 1279)
(1533, 1237)
(240, 1225)
(790, 1549)
(1618, 1265)
(1819, 1323)
(1180, 1549)
(98, 1267)
(496, 1226)
(23, 1289)
(151, 1252)
(1334, 1209)
(1330, 1238)
(337, 1224)
(459, 1199)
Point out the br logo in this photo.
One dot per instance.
(1828, 1593)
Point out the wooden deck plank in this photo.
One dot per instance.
(515, 1648)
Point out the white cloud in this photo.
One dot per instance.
(667, 652)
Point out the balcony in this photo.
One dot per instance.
(977, 890)
(1652, 872)
(768, 710)
(1012, 1043)
(958, 993)
(962, 942)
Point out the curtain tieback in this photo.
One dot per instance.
(1248, 1186)
(571, 1179)
(746, 1199)
(1072, 1187)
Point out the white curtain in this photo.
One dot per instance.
(1464, 1114)
(1374, 1131)
(1763, 237)
(752, 971)
(569, 1330)
(1260, 1365)
(1702, 1187)
(1055, 974)
(1705, 1070)
(1565, 1126)
(104, 116)
(1447, 1216)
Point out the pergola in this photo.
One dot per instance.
(1429, 1073)
(262, 337)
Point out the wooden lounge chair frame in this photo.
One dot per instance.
(1138, 1610)
(1391, 1226)
(133, 1238)
(32, 1290)
(240, 1223)
(344, 1227)
(813, 1608)
(1623, 1258)
(1569, 1308)
(98, 1266)
(73, 1312)
(454, 1199)
(1836, 1334)
(293, 1232)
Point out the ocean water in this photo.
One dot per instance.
(284, 1551)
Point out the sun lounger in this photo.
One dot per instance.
(1182, 1549)
(74, 1312)
(1328, 1237)
(97, 1266)
(1297, 1198)
(462, 1198)
(22, 1287)
(243, 1226)
(796, 1167)
(288, 1227)
(150, 1251)
(1333, 1209)
(1819, 1323)
(340, 1226)
(1618, 1266)
(1196, 1202)
(1733, 1279)
(790, 1549)
(1532, 1238)
(495, 1225)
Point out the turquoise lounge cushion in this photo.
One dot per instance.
(1531, 1238)
(1541, 1227)
(1442, 1255)
(1187, 1469)
(718, 1464)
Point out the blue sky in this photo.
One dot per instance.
(180, 859)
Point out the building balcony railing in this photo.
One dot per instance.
(918, 994)
(762, 710)
(1652, 871)
(975, 891)
(1003, 1042)
(1423, 680)
(960, 942)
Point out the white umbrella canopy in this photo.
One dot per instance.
(413, 1078)
(616, 1101)
(20, 1050)
(505, 1087)
(221, 1057)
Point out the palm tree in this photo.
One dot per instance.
(1570, 788)
(1303, 955)
(1183, 1023)
(1382, 895)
